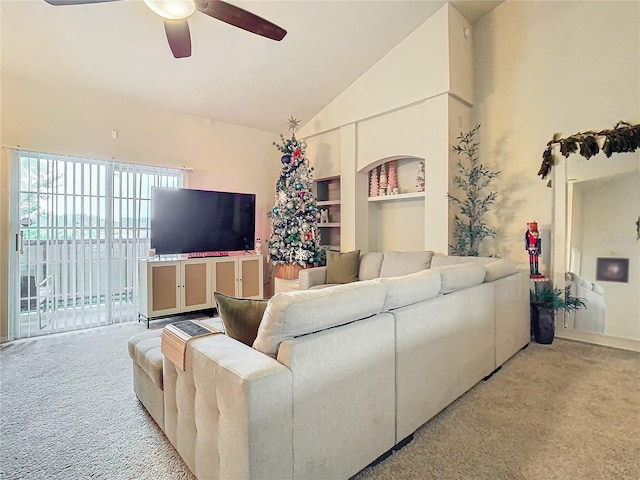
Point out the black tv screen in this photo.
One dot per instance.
(190, 221)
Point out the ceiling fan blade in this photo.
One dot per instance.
(240, 18)
(179, 37)
(58, 3)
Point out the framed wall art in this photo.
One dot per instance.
(612, 269)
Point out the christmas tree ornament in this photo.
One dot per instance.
(285, 159)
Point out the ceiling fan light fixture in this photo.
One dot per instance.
(172, 9)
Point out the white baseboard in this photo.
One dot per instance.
(595, 338)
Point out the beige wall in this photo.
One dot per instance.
(545, 67)
(541, 68)
(57, 120)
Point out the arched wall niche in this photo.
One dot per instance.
(377, 163)
(406, 171)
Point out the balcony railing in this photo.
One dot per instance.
(64, 280)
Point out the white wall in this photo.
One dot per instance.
(380, 137)
(414, 70)
(57, 120)
(545, 67)
(323, 152)
(399, 108)
(577, 224)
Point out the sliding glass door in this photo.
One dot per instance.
(82, 224)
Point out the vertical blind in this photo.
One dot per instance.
(83, 225)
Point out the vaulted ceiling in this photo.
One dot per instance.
(119, 48)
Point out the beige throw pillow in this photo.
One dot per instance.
(241, 316)
(343, 267)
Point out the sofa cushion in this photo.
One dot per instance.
(457, 277)
(498, 269)
(292, 314)
(144, 350)
(409, 289)
(343, 267)
(370, 264)
(240, 316)
(441, 260)
(395, 264)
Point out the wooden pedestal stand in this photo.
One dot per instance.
(175, 337)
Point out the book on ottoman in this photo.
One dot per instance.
(175, 337)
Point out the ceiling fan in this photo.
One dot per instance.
(176, 12)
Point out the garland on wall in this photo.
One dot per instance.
(624, 137)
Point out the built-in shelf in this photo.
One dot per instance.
(399, 196)
(327, 192)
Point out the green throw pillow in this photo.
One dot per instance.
(241, 316)
(343, 267)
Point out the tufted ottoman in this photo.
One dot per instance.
(144, 349)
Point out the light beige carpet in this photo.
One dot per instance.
(564, 411)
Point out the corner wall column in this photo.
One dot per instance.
(354, 190)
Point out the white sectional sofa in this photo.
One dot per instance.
(340, 376)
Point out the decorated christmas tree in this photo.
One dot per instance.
(294, 242)
(374, 189)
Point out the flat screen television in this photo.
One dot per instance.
(190, 221)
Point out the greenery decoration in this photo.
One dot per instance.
(473, 181)
(295, 237)
(556, 299)
(624, 137)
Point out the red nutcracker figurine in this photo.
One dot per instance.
(532, 244)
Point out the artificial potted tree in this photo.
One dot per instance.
(474, 197)
(545, 302)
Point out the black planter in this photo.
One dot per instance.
(543, 324)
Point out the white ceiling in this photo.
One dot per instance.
(120, 48)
